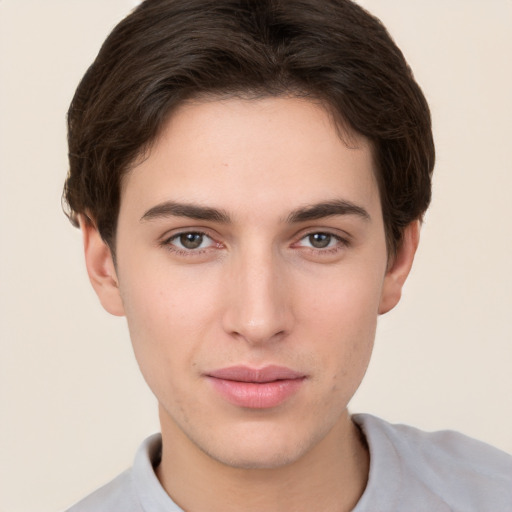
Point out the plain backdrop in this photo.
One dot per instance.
(73, 407)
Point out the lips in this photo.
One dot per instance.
(261, 388)
(262, 375)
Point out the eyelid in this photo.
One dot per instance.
(176, 232)
(334, 251)
(343, 240)
(338, 234)
(166, 241)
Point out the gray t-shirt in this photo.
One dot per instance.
(409, 470)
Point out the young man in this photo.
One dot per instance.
(250, 177)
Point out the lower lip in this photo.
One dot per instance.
(263, 395)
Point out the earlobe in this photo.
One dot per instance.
(100, 267)
(399, 268)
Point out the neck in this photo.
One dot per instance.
(330, 477)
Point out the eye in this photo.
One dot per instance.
(320, 241)
(190, 241)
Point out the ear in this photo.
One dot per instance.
(100, 267)
(399, 268)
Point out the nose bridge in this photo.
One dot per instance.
(259, 306)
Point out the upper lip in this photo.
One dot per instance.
(269, 373)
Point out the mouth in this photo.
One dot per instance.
(262, 388)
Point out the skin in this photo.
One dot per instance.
(259, 289)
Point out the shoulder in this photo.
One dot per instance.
(135, 490)
(446, 467)
(452, 448)
(116, 495)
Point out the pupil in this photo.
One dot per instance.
(320, 240)
(191, 240)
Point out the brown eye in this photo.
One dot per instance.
(320, 240)
(190, 243)
(191, 240)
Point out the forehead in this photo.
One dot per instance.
(263, 154)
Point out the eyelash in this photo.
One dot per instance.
(167, 243)
(341, 243)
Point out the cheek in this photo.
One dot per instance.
(343, 320)
(345, 304)
(160, 302)
(167, 316)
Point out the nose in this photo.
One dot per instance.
(259, 302)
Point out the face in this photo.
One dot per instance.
(251, 267)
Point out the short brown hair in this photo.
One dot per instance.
(168, 51)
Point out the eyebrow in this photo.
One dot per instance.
(303, 214)
(327, 209)
(192, 211)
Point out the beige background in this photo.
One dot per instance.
(73, 407)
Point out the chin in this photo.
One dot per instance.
(244, 458)
(265, 449)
